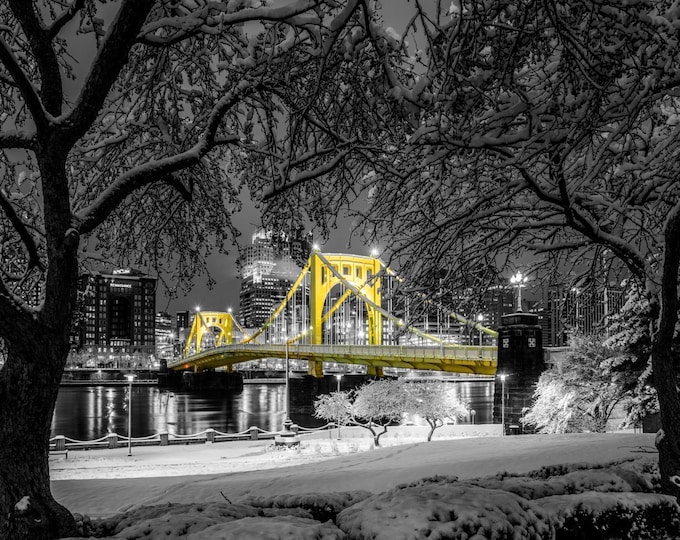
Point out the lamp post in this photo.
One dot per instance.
(287, 421)
(480, 318)
(287, 437)
(519, 280)
(502, 403)
(130, 378)
(339, 377)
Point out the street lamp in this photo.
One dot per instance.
(480, 319)
(339, 377)
(287, 421)
(519, 280)
(287, 437)
(502, 376)
(130, 378)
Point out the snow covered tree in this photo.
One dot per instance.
(378, 404)
(126, 131)
(541, 134)
(435, 403)
(579, 391)
(334, 407)
(374, 406)
(629, 336)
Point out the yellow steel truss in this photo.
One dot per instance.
(361, 276)
(204, 322)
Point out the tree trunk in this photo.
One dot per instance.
(433, 426)
(29, 382)
(668, 441)
(376, 437)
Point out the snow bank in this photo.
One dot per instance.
(440, 508)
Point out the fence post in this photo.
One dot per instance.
(164, 438)
(209, 435)
(60, 443)
(113, 440)
(253, 433)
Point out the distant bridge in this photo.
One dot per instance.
(309, 313)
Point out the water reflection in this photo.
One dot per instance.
(87, 413)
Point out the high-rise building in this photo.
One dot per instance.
(117, 324)
(268, 267)
(165, 337)
(578, 310)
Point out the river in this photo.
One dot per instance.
(89, 412)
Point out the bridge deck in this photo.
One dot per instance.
(458, 359)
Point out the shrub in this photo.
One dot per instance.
(620, 516)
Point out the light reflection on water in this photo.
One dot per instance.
(88, 413)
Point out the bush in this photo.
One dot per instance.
(620, 516)
(321, 506)
(445, 509)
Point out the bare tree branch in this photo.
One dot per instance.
(25, 86)
(64, 18)
(110, 59)
(17, 139)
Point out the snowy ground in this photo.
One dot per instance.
(107, 482)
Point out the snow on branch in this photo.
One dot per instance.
(64, 18)
(23, 83)
(17, 139)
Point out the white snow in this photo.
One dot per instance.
(23, 504)
(200, 481)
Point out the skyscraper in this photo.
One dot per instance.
(268, 267)
(117, 321)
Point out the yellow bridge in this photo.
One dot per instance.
(210, 343)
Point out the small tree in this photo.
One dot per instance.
(579, 392)
(378, 404)
(435, 403)
(374, 406)
(335, 407)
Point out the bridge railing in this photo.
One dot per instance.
(459, 352)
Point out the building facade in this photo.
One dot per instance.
(117, 320)
(566, 310)
(268, 267)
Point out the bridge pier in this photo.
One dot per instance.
(520, 360)
(202, 381)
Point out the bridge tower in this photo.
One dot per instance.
(203, 328)
(521, 362)
(363, 273)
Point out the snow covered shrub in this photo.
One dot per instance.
(178, 520)
(321, 506)
(445, 509)
(603, 480)
(619, 516)
(283, 527)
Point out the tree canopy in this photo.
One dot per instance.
(541, 134)
(127, 132)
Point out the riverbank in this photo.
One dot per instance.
(106, 482)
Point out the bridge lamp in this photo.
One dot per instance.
(480, 320)
(130, 378)
(518, 280)
(339, 377)
(502, 376)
